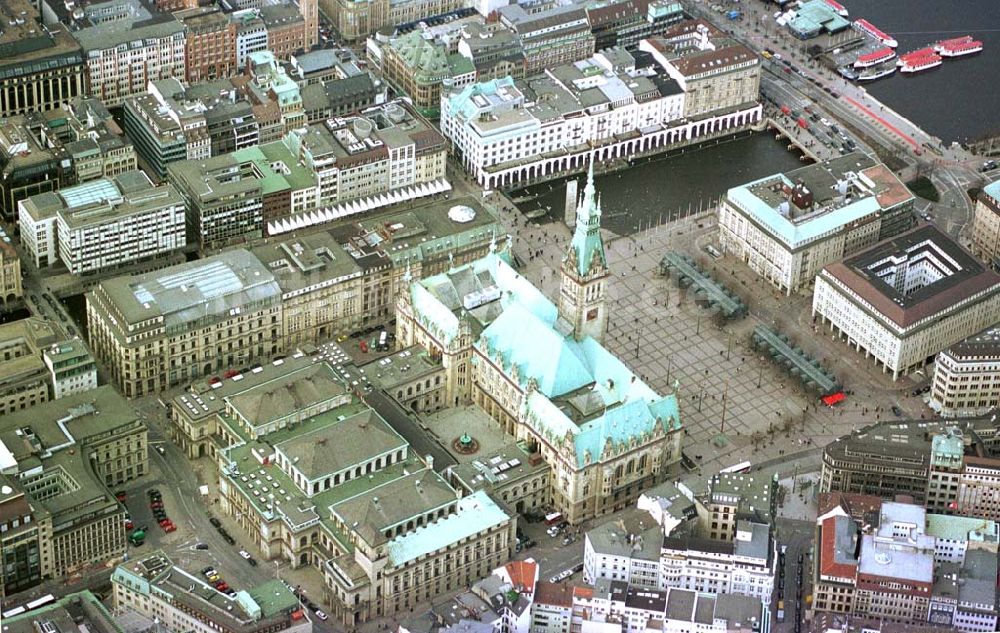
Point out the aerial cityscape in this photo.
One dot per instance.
(499, 316)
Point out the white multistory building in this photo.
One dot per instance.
(606, 107)
(967, 376)
(124, 55)
(103, 224)
(907, 298)
(251, 35)
(644, 558)
(786, 227)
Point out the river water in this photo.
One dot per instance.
(650, 192)
(959, 100)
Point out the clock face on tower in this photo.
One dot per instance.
(592, 314)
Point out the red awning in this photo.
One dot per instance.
(803, 124)
(297, 615)
(786, 109)
(833, 398)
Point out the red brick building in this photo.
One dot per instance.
(210, 45)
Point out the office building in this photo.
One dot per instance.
(735, 497)
(71, 368)
(11, 290)
(907, 298)
(357, 20)
(142, 329)
(716, 73)
(950, 466)
(29, 163)
(96, 144)
(103, 224)
(25, 538)
(123, 55)
(24, 381)
(166, 595)
(286, 28)
(380, 156)
(41, 67)
(265, 83)
(966, 378)
(251, 35)
(986, 224)
(162, 130)
(78, 609)
(898, 562)
(40, 363)
(65, 455)
(627, 22)
(550, 37)
(787, 227)
(491, 328)
(554, 123)
(617, 606)
(313, 287)
(209, 45)
(421, 68)
(635, 551)
(224, 203)
(171, 123)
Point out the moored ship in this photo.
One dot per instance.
(958, 46)
(836, 6)
(876, 72)
(874, 58)
(867, 27)
(914, 62)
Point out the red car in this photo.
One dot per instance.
(221, 585)
(230, 373)
(165, 522)
(129, 525)
(156, 505)
(169, 527)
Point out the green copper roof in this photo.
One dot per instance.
(587, 248)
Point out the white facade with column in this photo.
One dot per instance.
(506, 132)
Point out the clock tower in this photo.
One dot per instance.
(584, 287)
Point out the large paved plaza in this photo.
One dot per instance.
(735, 404)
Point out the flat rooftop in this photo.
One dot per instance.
(984, 345)
(25, 45)
(820, 200)
(914, 275)
(186, 294)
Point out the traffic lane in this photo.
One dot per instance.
(798, 537)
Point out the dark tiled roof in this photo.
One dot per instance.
(970, 279)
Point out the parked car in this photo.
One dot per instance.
(245, 554)
(208, 571)
(201, 546)
(321, 615)
(252, 561)
(215, 522)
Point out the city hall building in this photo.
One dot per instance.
(540, 370)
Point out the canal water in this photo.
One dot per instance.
(653, 191)
(958, 100)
